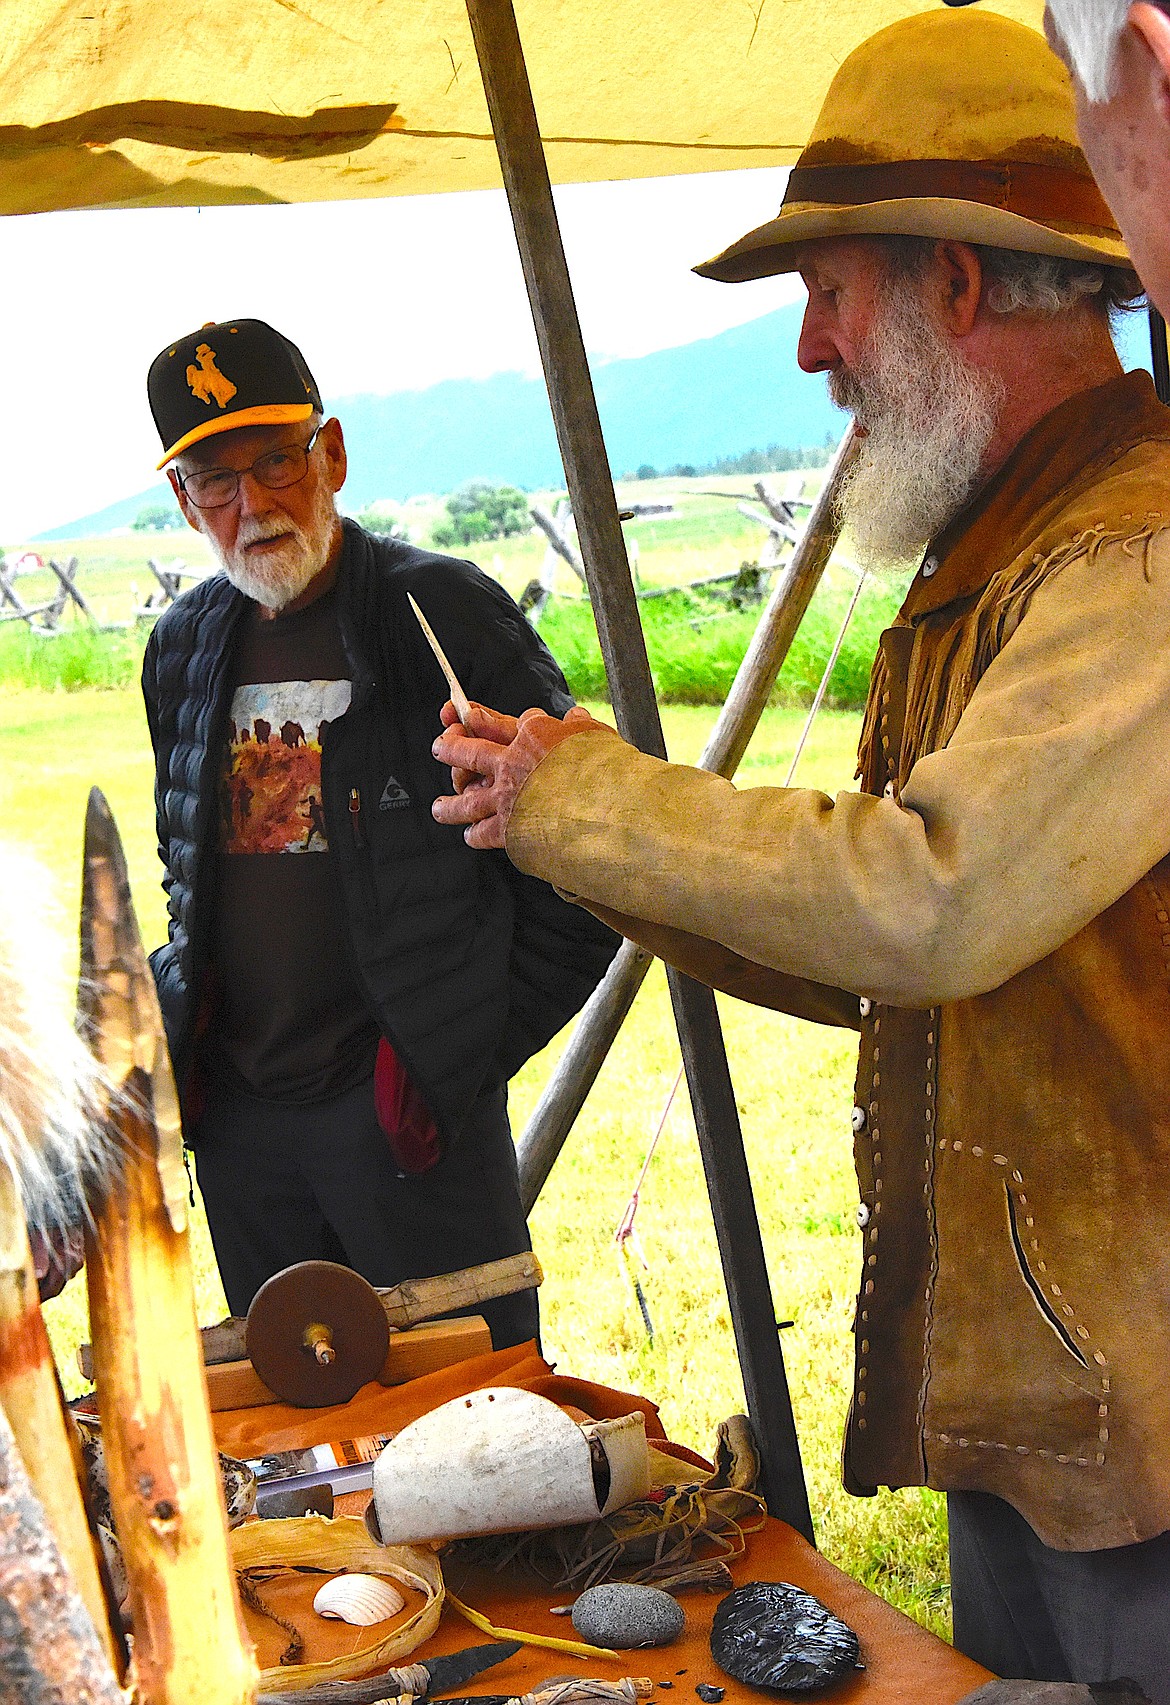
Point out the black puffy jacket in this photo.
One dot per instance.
(469, 966)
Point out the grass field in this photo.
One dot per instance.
(793, 1087)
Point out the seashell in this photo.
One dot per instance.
(239, 1489)
(359, 1599)
(239, 1482)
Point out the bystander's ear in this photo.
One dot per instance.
(333, 441)
(1152, 26)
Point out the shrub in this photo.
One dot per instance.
(382, 518)
(479, 510)
(157, 518)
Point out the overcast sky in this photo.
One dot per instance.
(380, 295)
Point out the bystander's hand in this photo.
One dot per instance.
(491, 757)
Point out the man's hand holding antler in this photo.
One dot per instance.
(491, 757)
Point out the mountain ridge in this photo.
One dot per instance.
(692, 403)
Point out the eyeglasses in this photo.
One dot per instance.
(215, 488)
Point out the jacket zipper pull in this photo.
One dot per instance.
(355, 817)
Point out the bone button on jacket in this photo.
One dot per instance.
(993, 913)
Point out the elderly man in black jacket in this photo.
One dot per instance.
(346, 989)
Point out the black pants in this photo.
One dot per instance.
(319, 1183)
(1030, 1613)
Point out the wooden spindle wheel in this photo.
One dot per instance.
(317, 1333)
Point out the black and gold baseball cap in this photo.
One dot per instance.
(228, 374)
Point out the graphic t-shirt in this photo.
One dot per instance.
(288, 1018)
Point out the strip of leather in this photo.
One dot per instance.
(1032, 190)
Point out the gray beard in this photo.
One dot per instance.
(284, 574)
(928, 418)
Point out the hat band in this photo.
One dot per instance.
(1033, 191)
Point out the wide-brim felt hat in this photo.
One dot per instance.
(228, 374)
(956, 125)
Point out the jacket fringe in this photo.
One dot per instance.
(937, 698)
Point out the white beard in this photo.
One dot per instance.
(928, 417)
(280, 575)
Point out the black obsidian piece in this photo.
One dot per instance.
(773, 1635)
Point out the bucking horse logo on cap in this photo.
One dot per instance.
(206, 381)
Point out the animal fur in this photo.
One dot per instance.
(53, 1134)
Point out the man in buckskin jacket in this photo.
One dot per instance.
(346, 988)
(992, 910)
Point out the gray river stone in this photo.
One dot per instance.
(623, 1616)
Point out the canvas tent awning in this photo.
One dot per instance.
(137, 103)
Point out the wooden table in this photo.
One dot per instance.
(904, 1664)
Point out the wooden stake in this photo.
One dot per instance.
(48, 1648)
(31, 1400)
(605, 1012)
(165, 1489)
(615, 609)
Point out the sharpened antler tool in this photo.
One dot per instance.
(458, 697)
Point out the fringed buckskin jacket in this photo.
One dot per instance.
(996, 902)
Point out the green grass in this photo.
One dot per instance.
(696, 644)
(793, 1086)
(71, 660)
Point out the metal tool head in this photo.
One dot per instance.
(317, 1333)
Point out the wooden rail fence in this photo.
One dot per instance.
(47, 618)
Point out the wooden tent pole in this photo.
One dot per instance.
(604, 1014)
(772, 640)
(566, 369)
(1160, 356)
(575, 1073)
(615, 609)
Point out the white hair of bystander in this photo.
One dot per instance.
(1090, 31)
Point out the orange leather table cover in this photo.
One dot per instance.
(904, 1664)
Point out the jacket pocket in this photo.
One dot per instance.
(1035, 1285)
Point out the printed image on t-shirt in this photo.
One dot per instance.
(271, 795)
